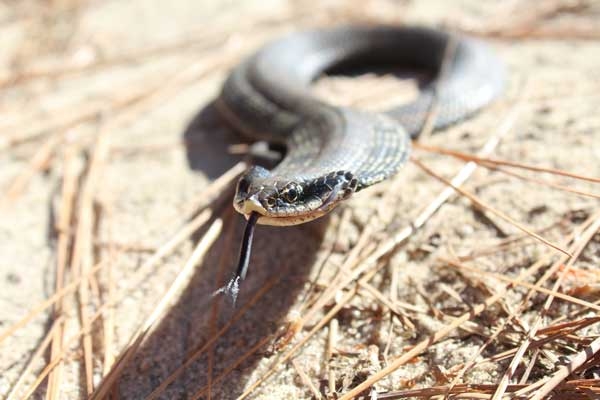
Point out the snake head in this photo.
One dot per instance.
(283, 201)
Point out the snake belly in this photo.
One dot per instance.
(332, 152)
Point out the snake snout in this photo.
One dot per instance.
(249, 204)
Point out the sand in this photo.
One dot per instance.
(162, 153)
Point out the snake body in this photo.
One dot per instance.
(333, 151)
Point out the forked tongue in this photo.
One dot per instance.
(232, 288)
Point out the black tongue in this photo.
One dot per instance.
(232, 288)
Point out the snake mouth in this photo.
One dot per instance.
(266, 219)
(272, 207)
(248, 206)
(286, 221)
(251, 205)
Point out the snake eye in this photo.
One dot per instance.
(291, 193)
(270, 201)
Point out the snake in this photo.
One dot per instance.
(332, 152)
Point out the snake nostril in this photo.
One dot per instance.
(239, 199)
(243, 185)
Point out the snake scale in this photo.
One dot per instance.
(333, 152)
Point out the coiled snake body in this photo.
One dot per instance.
(332, 151)
(335, 151)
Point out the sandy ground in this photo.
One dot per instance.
(163, 155)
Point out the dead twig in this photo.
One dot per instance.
(564, 371)
(65, 215)
(35, 357)
(495, 161)
(203, 245)
(479, 203)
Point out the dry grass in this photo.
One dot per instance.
(533, 317)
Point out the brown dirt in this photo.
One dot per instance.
(81, 66)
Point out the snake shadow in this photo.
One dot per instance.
(286, 253)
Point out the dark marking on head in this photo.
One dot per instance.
(276, 196)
